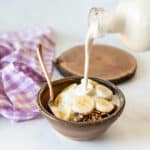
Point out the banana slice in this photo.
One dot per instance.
(83, 105)
(62, 113)
(104, 92)
(61, 106)
(104, 105)
(59, 109)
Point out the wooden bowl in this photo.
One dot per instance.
(78, 130)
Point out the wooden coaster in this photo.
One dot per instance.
(106, 62)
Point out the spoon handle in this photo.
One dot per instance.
(43, 66)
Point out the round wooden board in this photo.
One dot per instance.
(106, 62)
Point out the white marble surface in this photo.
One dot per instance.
(68, 17)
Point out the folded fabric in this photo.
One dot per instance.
(20, 72)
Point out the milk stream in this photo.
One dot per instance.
(93, 32)
(88, 46)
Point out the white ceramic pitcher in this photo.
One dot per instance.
(131, 20)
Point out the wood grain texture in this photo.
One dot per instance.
(106, 62)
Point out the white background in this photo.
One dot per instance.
(69, 19)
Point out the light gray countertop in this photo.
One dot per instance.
(69, 19)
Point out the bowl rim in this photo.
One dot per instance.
(105, 82)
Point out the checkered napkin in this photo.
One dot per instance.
(20, 72)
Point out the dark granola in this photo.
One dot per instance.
(94, 116)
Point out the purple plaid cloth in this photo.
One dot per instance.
(20, 71)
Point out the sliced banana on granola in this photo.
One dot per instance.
(104, 105)
(104, 92)
(83, 105)
(75, 100)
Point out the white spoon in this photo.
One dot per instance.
(43, 66)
